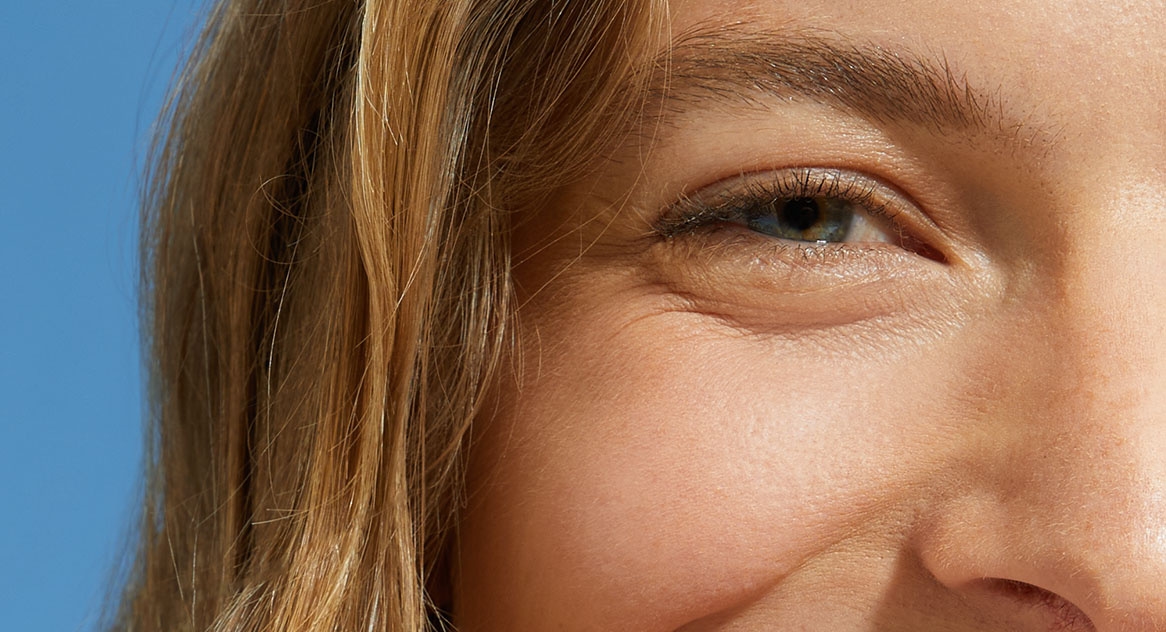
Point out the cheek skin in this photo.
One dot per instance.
(654, 470)
(982, 456)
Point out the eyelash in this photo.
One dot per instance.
(738, 199)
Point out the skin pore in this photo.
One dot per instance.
(951, 419)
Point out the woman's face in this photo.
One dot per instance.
(866, 332)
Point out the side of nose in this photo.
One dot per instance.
(1065, 506)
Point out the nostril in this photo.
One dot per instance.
(1063, 615)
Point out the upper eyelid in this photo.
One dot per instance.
(703, 206)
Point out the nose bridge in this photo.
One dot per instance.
(1106, 339)
(1090, 506)
(1106, 308)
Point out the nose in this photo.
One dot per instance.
(1063, 505)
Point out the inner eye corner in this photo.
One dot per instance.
(905, 238)
(923, 249)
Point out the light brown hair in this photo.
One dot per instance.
(326, 290)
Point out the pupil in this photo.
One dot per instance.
(801, 213)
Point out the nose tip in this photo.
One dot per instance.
(1088, 501)
(1074, 569)
(1060, 496)
(1110, 418)
(1073, 522)
(1064, 506)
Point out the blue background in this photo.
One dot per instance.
(81, 85)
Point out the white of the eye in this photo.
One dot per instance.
(863, 230)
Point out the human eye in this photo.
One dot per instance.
(786, 249)
(800, 207)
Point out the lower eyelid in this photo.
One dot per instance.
(735, 245)
(764, 285)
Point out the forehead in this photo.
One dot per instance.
(1085, 70)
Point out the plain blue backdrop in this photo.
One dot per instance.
(81, 85)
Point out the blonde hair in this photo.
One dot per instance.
(327, 289)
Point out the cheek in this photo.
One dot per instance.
(647, 474)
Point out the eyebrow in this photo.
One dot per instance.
(729, 65)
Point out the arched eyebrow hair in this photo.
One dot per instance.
(727, 65)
